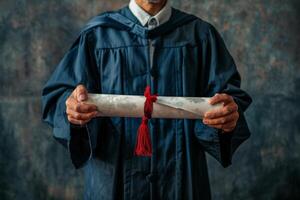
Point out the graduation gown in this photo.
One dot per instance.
(111, 56)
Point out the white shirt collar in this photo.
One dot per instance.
(161, 17)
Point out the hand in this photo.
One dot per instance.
(79, 112)
(224, 118)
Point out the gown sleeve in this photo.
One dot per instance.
(221, 76)
(78, 66)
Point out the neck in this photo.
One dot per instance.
(151, 8)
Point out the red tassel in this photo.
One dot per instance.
(143, 145)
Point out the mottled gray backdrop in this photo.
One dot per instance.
(263, 37)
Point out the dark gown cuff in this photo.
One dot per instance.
(225, 139)
(79, 145)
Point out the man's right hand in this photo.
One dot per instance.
(79, 112)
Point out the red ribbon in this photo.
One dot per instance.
(143, 145)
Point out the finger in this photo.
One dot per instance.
(81, 93)
(71, 101)
(80, 107)
(221, 120)
(77, 122)
(228, 130)
(219, 98)
(81, 116)
(225, 110)
(228, 127)
(85, 108)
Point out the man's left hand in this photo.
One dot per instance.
(224, 118)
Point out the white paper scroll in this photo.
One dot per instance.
(165, 107)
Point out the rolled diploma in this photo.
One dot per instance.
(165, 107)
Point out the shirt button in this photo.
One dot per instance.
(152, 23)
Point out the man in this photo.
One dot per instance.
(121, 52)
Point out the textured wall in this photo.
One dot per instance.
(263, 37)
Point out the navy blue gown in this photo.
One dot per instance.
(111, 56)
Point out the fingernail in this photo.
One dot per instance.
(81, 97)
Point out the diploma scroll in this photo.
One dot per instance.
(165, 107)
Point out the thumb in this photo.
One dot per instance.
(81, 93)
